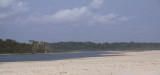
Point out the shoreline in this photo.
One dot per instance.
(129, 63)
(33, 53)
(76, 52)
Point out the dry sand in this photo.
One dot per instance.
(128, 63)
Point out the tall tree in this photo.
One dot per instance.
(35, 46)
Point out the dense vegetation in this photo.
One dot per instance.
(11, 46)
(104, 46)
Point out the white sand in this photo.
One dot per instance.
(130, 63)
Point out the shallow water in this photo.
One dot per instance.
(53, 56)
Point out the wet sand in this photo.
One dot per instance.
(123, 63)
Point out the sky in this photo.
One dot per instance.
(80, 20)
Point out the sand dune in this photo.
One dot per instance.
(127, 63)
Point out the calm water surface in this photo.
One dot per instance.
(53, 56)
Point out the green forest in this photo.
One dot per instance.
(12, 46)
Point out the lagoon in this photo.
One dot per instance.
(53, 56)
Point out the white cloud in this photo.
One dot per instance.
(5, 3)
(105, 19)
(96, 4)
(124, 18)
(62, 16)
(13, 7)
(76, 16)
(19, 7)
(3, 15)
(70, 14)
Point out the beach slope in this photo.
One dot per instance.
(125, 63)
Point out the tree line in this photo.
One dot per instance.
(12, 46)
(64, 46)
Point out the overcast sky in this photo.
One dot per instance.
(80, 20)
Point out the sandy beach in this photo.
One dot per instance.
(125, 63)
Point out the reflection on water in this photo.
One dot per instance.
(54, 56)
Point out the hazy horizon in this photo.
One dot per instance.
(80, 20)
